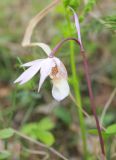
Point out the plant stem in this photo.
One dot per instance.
(92, 102)
(89, 83)
(78, 97)
(77, 90)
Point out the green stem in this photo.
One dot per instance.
(77, 90)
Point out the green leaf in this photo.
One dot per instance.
(46, 137)
(111, 129)
(40, 130)
(30, 129)
(95, 132)
(6, 133)
(63, 114)
(45, 124)
(108, 119)
(4, 154)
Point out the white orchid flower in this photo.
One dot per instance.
(50, 66)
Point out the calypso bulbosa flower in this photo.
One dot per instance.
(50, 66)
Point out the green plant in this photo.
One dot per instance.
(40, 130)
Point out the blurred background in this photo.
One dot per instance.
(23, 108)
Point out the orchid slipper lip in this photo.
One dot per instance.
(51, 67)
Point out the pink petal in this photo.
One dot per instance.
(57, 60)
(32, 63)
(60, 89)
(28, 74)
(45, 70)
(77, 26)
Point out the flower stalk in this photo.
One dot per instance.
(86, 69)
(77, 92)
(85, 62)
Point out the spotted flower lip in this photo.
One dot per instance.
(50, 66)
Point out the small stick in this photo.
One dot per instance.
(42, 153)
(107, 105)
(40, 144)
(84, 112)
